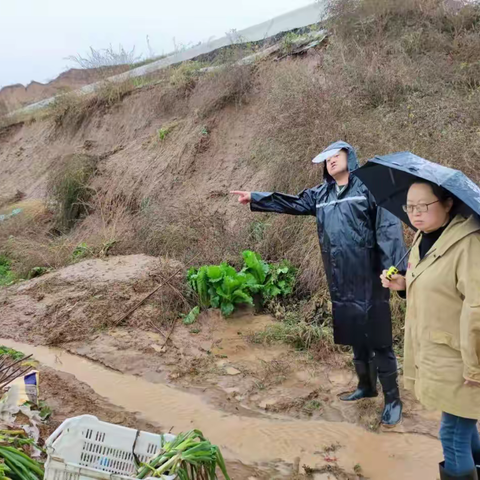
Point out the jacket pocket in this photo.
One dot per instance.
(444, 338)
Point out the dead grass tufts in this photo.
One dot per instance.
(186, 232)
(72, 109)
(225, 85)
(294, 330)
(184, 76)
(26, 240)
(69, 188)
(373, 20)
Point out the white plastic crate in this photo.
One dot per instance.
(84, 448)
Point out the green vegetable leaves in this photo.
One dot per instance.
(221, 286)
(191, 316)
(255, 266)
(190, 456)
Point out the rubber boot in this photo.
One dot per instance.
(476, 459)
(367, 381)
(467, 476)
(392, 412)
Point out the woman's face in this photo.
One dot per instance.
(421, 198)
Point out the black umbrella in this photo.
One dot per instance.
(389, 177)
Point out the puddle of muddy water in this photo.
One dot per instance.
(252, 440)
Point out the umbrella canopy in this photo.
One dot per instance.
(389, 177)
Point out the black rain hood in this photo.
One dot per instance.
(358, 240)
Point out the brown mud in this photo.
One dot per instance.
(268, 407)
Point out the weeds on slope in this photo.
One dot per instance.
(72, 109)
(69, 190)
(228, 84)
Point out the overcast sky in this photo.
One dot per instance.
(37, 35)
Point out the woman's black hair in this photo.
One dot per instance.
(440, 192)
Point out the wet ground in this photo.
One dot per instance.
(272, 410)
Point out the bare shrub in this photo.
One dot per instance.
(105, 57)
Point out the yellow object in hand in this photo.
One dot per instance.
(391, 272)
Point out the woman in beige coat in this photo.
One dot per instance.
(442, 326)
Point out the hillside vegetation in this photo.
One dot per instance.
(146, 166)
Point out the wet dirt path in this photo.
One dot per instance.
(252, 440)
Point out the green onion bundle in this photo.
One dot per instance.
(15, 464)
(190, 456)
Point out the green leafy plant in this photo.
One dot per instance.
(191, 317)
(38, 272)
(255, 266)
(7, 276)
(16, 463)
(280, 281)
(81, 251)
(45, 410)
(162, 133)
(221, 286)
(14, 354)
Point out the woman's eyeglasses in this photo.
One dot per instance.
(420, 208)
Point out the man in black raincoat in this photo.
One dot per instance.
(358, 240)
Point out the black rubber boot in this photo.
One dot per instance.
(367, 381)
(467, 476)
(476, 459)
(392, 412)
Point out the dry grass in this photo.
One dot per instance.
(272, 373)
(71, 110)
(302, 333)
(185, 232)
(229, 84)
(26, 240)
(69, 189)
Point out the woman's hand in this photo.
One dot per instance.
(471, 383)
(397, 283)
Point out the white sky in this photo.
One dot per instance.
(37, 35)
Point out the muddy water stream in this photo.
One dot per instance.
(251, 440)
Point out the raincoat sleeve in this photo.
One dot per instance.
(302, 204)
(389, 234)
(468, 284)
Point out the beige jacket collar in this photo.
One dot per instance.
(458, 229)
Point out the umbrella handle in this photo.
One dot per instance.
(391, 272)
